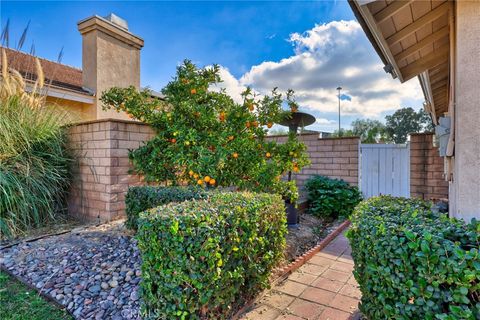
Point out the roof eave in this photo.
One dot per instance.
(375, 37)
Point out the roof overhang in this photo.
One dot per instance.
(413, 40)
(61, 93)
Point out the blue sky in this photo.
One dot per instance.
(302, 45)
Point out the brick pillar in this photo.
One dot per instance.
(426, 169)
(101, 176)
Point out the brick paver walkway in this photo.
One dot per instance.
(323, 288)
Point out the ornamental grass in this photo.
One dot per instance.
(34, 159)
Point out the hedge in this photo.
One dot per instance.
(139, 199)
(202, 259)
(413, 263)
(331, 197)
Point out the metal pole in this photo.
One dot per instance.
(339, 125)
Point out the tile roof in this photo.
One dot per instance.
(58, 74)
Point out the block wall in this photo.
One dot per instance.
(332, 157)
(101, 176)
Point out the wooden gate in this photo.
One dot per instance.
(384, 169)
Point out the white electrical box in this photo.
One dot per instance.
(442, 131)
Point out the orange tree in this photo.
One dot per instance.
(203, 137)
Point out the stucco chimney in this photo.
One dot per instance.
(110, 57)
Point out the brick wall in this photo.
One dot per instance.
(426, 169)
(331, 157)
(101, 176)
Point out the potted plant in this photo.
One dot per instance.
(289, 192)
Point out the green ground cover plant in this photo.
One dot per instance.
(414, 263)
(17, 302)
(202, 259)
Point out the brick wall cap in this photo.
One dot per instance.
(339, 138)
(420, 133)
(106, 120)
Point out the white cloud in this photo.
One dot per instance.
(330, 55)
(232, 86)
(323, 121)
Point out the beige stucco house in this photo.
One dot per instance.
(110, 57)
(438, 42)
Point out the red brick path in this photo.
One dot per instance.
(323, 288)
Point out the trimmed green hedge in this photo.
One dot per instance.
(331, 197)
(202, 259)
(413, 263)
(139, 199)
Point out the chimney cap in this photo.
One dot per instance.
(109, 25)
(113, 18)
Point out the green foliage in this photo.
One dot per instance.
(413, 263)
(202, 259)
(331, 197)
(369, 131)
(405, 121)
(34, 165)
(18, 302)
(139, 199)
(203, 137)
(343, 133)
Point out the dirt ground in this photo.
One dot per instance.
(308, 233)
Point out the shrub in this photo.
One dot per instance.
(413, 263)
(202, 259)
(34, 160)
(331, 197)
(204, 137)
(139, 199)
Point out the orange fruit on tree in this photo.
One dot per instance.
(195, 176)
(212, 182)
(235, 155)
(190, 173)
(268, 155)
(206, 179)
(173, 140)
(200, 182)
(221, 117)
(193, 91)
(269, 125)
(230, 138)
(247, 124)
(296, 169)
(254, 124)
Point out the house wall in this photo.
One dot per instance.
(332, 157)
(77, 111)
(426, 169)
(101, 176)
(465, 188)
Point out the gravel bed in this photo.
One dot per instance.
(94, 272)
